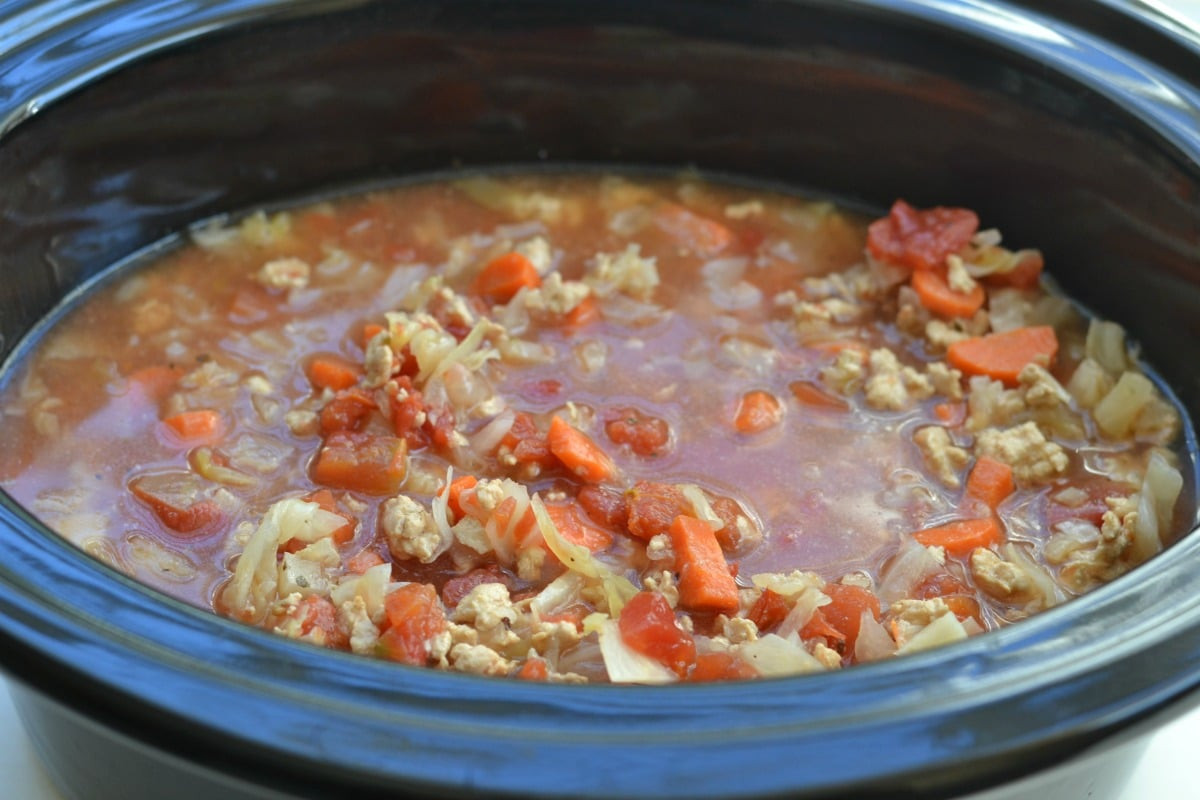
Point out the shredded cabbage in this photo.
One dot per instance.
(372, 586)
(255, 578)
(700, 505)
(773, 656)
(578, 558)
(943, 630)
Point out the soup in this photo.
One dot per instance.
(586, 428)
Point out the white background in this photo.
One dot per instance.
(1165, 773)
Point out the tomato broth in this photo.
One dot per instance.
(584, 427)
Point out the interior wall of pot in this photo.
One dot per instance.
(853, 104)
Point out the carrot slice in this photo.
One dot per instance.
(585, 313)
(811, 394)
(937, 295)
(962, 536)
(705, 582)
(361, 462)
(199, 426)
(457, 486)
(990, 481)
(370, 331)
(327, 372)
(504, 276)
(757, 411)
(578, 453)
(1003, 355)
(534, 669)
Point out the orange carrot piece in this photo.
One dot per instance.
(578, 453)
(691, 230)
(585, 313)
(962, 536)
(362, 463)
(831, 347)
(327, 372)
(814, 395)
(575, 526)
(1003, 355)
(757, 411)
(370, 331)
(534, 669)
(504, 276)
(937, 295)
(457, 486)
(200, 426)
(705, 582)
(990, 481)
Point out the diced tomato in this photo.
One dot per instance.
(845, 611)
(648, 626)
(573, 525)
(605, 506)
(959, 597)
(458, 587)
(180, 500)
(349, 410)
(318, 613)
(768, 610)
(645, 434)
(653, 507)
(414, 617)
(819, 627)
(361, 462)
(363, 560)
(921, 239)
(526, 443)
(720, 666)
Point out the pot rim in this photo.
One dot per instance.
(79, 630)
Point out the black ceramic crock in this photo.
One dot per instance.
(1070, 125)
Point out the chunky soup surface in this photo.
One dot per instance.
(580, 428)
